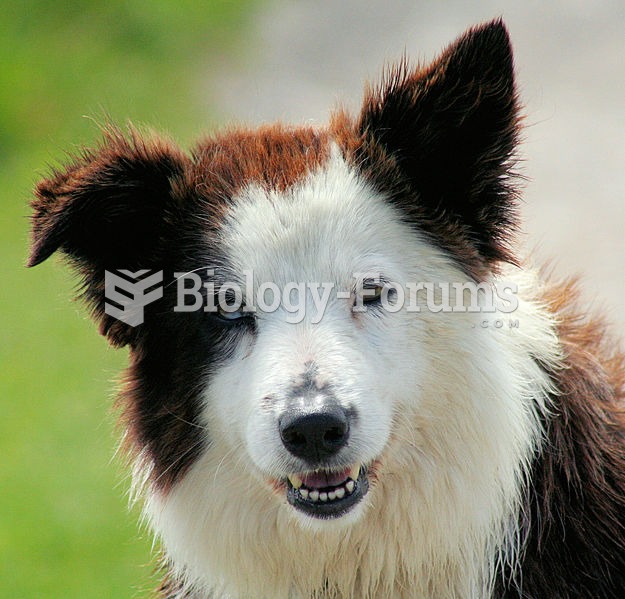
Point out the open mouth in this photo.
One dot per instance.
(326, 494)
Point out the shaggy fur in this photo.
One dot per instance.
(493, 456)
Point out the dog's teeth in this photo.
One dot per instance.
(295, 480)
(330, 494)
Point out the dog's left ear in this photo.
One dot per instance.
(451, 130)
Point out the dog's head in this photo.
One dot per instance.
(279, 358)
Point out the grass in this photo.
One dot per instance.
(65, 529)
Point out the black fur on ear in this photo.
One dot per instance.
(114, 207)
(448, 133)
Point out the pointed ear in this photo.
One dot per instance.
(114, 207)
(109, 207)
(451, 129)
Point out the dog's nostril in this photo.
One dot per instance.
(314, 435)
(334, 435)
(294, 438)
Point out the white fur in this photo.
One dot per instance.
(450, 408)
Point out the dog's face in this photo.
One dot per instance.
(311, 389)
(299, 407)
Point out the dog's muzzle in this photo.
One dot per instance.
(316, 436)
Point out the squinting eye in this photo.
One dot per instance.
(231, 315)
(372, 294)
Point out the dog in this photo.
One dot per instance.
(409, 439)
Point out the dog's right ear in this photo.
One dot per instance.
(109, 208)
(115, 207)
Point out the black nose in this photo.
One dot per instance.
(314, 435)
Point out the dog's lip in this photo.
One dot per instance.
(327, 494)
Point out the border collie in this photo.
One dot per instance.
(442, 447)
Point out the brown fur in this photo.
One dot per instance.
(574, 522)
(275, 157)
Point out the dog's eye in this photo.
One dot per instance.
(231, 315)
(375, 294)
(231, 309)
(238, 319)
(372, 294)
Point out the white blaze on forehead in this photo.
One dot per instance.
(323, 229)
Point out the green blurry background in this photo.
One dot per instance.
(65, 530)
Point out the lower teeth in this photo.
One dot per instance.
(337, 493)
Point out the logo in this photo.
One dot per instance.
(127, 293)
